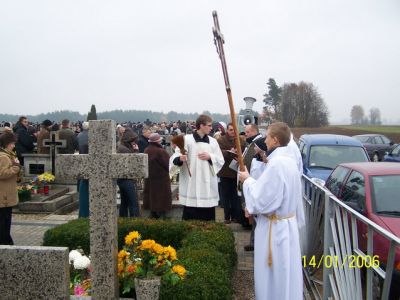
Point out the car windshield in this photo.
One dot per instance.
(362, 139)
(329, 156)
(385, 194)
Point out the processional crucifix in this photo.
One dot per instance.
(219, 43)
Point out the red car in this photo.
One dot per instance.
(372, 189)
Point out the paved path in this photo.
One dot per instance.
(28, 230)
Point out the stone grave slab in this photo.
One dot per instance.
(31, 272)
(59, 197)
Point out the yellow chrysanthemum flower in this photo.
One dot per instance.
(147, 244)
(46, 176)
(120, 268)
(131, 237)
(170, 252)
(157, 248)
(180, 270)
(122, 255)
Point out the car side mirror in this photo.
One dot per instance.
(391, 143)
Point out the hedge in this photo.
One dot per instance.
(206, 249)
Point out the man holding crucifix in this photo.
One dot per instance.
(275, 199)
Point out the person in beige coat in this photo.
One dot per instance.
(9, 170)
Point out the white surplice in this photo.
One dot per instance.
(201, 189)
(277, 191)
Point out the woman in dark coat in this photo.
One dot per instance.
(157, 188)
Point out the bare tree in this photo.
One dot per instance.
(302, 105)
(375, 116)
(357, 114)
(288, 106)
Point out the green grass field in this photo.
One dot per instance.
(377, 129)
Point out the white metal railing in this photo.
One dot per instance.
(332, 243)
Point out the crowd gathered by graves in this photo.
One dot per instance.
(266, 192)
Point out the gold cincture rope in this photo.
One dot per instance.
(273, 219)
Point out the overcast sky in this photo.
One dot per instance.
(160, 56)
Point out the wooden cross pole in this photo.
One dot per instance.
(219, 43)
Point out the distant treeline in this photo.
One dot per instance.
(117, 115)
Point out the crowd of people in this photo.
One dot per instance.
(266, 194)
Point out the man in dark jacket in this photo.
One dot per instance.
(143, 139)
(44, 134)
(25, 142)
(83, 139)
(67, 134)
(252, 136)
(228, 177)
(83, 184)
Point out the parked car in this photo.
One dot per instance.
(321, 153)
(376, 144)
(393, 155)
(372, 189)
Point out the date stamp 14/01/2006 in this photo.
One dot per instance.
(334, 261)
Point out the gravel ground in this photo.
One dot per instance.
(243, 284)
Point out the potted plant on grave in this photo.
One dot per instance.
(24, 192)
(40, 184)
(80, 270)
(142, 264)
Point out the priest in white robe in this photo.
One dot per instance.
(198, 192)
(275, 198)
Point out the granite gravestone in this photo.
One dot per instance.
(102, 166)
(30, 272)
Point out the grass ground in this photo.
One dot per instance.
(375, 129)
(392, 132)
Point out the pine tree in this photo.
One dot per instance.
(272, 99)
(92, 115)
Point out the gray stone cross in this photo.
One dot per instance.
(102, 166)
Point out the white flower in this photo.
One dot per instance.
(74, 254)
(81, 263)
